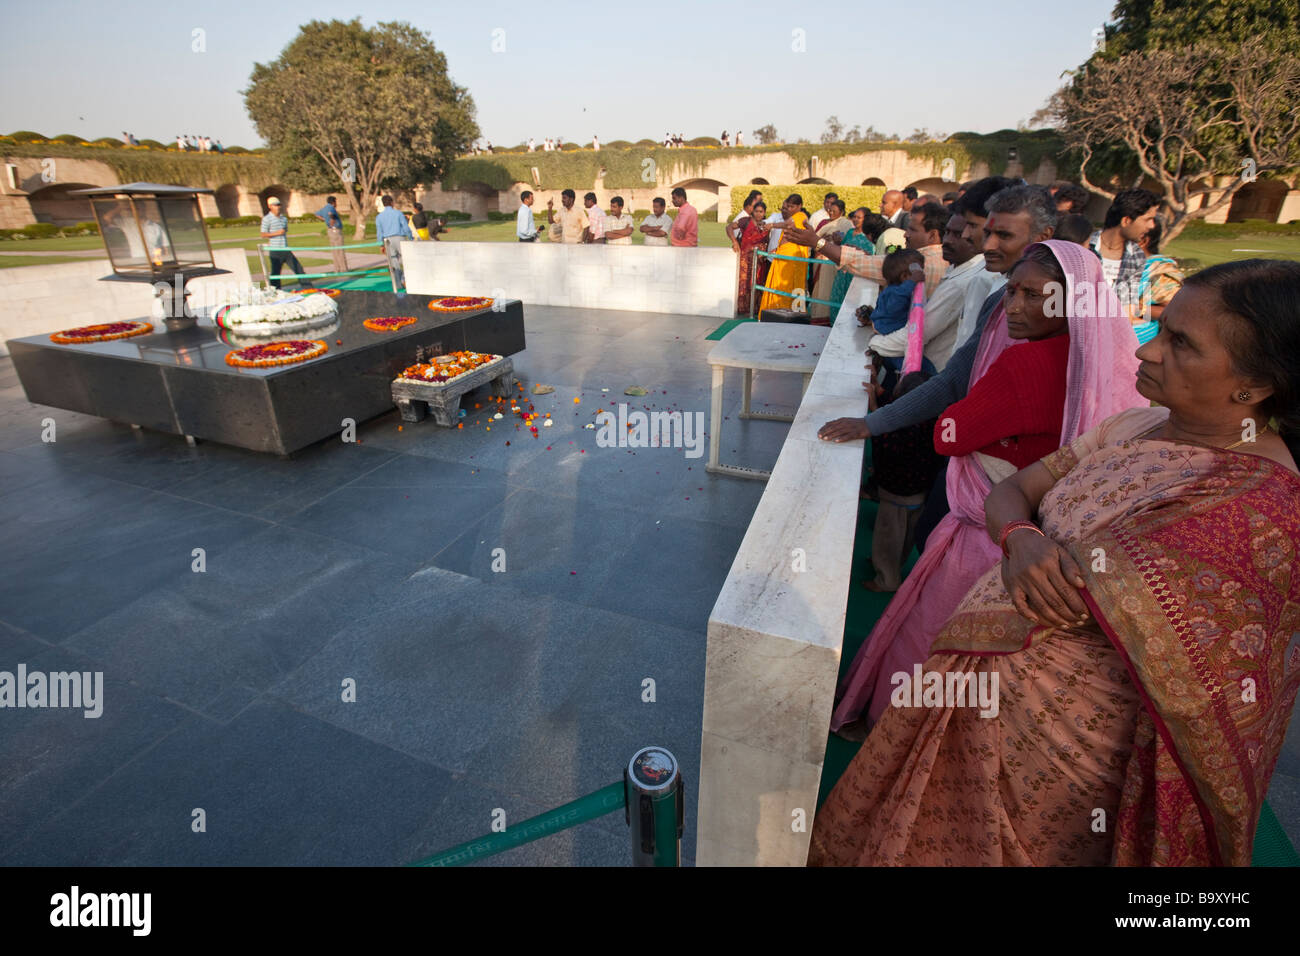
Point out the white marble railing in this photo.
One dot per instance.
(697, 281)
(775, 633)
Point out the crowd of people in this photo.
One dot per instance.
(197, 144)
(589, 223)
(1107, 528)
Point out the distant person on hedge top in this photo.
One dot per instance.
(655, 227)
(686, 227)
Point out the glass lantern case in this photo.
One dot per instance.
(152, 231)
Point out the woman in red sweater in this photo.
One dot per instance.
(1056, 358)
(1012, 416)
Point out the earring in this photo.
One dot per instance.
(1243, 396)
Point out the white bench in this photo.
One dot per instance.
(767, 346)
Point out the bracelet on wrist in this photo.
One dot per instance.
(1008, 528)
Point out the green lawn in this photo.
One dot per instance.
(1200, 252)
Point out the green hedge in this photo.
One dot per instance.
(175, 168)
(47, 230)
(1200, 229)
(812, 194)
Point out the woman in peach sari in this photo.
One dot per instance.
(1142, 648)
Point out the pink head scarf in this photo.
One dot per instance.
(1101, 372)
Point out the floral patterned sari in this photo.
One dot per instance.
(750, 238)
(858, 240)
(1146, 737)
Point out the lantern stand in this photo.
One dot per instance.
(155, 233)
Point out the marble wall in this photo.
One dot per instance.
(699, 281)
(775, 633)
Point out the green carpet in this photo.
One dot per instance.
(1272, 846)
(724, 328)
(379, 282)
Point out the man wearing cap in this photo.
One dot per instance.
(275, 229)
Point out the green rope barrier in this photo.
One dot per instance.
(593, 805)
(804, 259)
(288, 276)
(359, 245)
(791, 295)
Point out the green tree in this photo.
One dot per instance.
(1198, 119)
(767, 135)
(834, 130)
(361, 110)
(1169, 24)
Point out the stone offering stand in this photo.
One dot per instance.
(442, 399)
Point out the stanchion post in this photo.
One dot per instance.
(655, 809)
(753, 281)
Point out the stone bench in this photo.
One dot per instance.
(775, 633)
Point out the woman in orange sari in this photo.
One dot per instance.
(786, 277)
(1135, 659)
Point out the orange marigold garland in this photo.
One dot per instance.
(447, 367)
(104, 332)
(388, 323)
(332, 293)
(460, 303)
(277, 353)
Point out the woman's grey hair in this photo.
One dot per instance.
(1037, 201)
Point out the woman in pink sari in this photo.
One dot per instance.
(1098, 382)
(1140, 643)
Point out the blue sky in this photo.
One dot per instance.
(571, 69)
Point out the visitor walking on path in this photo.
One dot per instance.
(334, 230)
(275, 230)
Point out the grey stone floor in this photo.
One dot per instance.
(475, 689)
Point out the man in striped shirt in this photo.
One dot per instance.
(275, 229)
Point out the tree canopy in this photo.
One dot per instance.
(1196, 95)
(360, 110)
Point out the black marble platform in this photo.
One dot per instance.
(179, 382)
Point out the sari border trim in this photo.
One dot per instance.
(1207, 817)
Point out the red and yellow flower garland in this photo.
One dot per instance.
(104, 332)
(277, 353)
(388, 323)
(457, 364)
(460, 303)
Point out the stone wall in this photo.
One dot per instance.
(620, 278)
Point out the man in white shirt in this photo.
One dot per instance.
(821, 215)
(968, 268)
(618, 224)
(532, 145)
(891, 207)
(595, 143)
(525, 229)
(657, 226)
(595, 231)
(740, 138)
